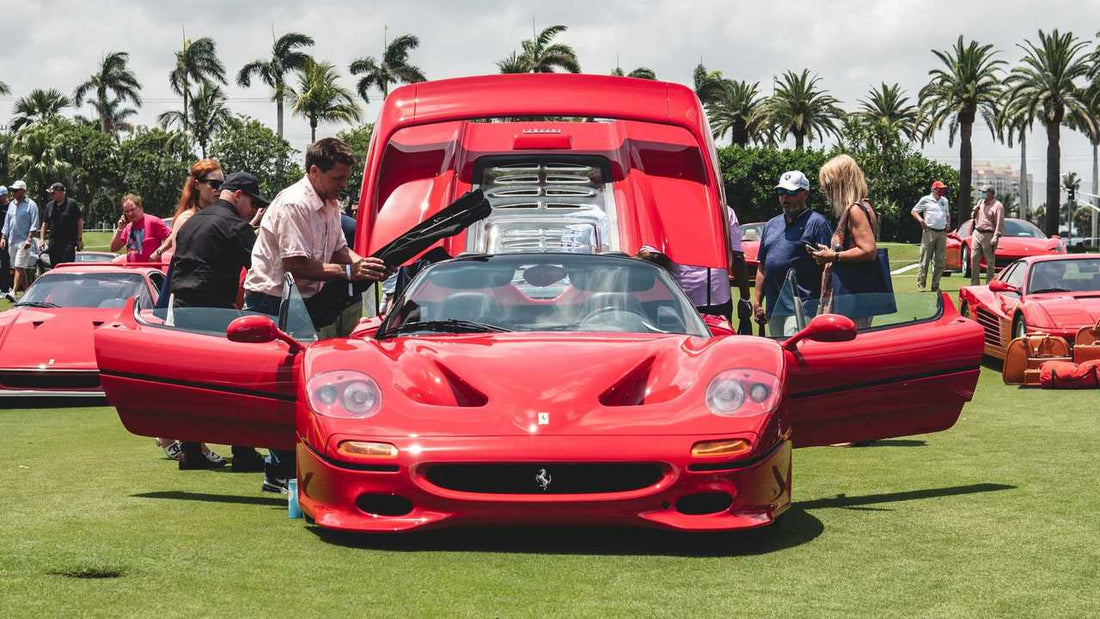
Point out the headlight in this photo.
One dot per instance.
(345, 394)
(742, 392)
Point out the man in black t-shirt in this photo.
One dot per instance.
(211, 250)
(64, 220)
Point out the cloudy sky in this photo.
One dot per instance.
(851, 45)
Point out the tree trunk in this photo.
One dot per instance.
(185, 93)
(1025, 206)
(798, 139)
(279, 113)
(312, 130)
(103, 116)
(965, 170)
(1054, 169)
(1095, 190)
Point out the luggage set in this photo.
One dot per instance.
(1044, 360)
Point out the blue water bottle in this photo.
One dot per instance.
(293, 510)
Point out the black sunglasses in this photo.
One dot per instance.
(213, 182)
(780, 191)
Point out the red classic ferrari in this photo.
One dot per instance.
(541, 376)
(46, 339)
(1048, 294)
(750, 244)
(1021, 239)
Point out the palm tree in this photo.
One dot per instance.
(1046, 84)
(4, 90)
(738, 110)
(541, 55)
(35, 157)
(392, 69)
(800, 109)
(890, 113)
(112, 77)
(708, 84)
(320, 99)
(513, 64)
(642, 73)
(969, 84)
(114, 116)
(39, 106)
(284, 57)
(1092, 132)
(1014, 121)
(1071, 183)
(207, 113)
(196, 62)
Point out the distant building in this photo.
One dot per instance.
(1004, 179)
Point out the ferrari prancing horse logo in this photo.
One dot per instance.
(544, 479)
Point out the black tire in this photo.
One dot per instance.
(1019, 326)
(965, 253)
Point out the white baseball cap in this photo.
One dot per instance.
(793, 181)
(3, 190)
(18, 185)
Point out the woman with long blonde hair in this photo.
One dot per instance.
(200, 190)
(855, 239)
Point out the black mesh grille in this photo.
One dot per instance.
(30, 379)
(545, 478)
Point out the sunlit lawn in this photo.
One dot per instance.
(996, 517)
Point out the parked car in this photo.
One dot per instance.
(46, 338)
(1047, 294)
(1021, 239)
(95, 256)
(541, 375)
(750, 244)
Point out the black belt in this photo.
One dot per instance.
(939, 230)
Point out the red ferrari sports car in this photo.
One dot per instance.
(1021, 239)
(750, 244)
(1048, 294)
(46, 339)
(541, 376)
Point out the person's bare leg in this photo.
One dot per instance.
(18, 282)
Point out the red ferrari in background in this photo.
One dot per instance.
(750, 244)
(542, 376)
(1020, 240)
(1045, 294)
(46, 339)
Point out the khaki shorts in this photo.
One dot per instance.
(23, 258)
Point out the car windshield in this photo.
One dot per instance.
(1065, 276)
(543, 292)
(84, 256)
(1024, 229)
(84, 289)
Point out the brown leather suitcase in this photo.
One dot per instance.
(1025, 354)
(1086, 346)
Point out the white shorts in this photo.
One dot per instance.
(24, 258)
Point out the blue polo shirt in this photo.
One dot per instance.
(783, 247)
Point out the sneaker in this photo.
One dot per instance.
(174, 451)
(9, 296)
(213, 457)
(197, 456)
(247, 460)
(275, 484)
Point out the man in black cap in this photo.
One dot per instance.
(211, 250)
(64, 221)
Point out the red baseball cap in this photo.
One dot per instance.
(939, 185)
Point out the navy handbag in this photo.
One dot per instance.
(863, 289)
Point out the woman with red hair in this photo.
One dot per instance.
(200, 190)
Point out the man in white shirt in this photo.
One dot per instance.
(933, 214)
(301, 234)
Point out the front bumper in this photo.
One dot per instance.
(740, 494)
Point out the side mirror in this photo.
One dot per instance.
(824, 328)
(999, 285)
(258, 330)
(718, 325)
